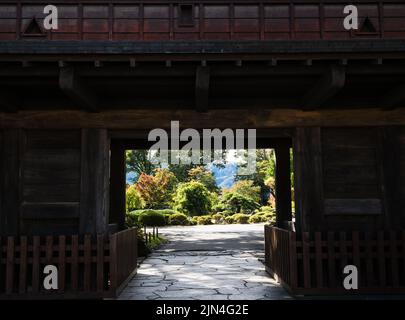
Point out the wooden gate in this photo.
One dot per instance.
(92, 267)
(313, 263)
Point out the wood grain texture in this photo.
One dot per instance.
(241, 118)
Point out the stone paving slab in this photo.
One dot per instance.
(203, 275)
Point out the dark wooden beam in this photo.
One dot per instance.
(94, 182)
(8, 102)
(72, 86)
(393, 98)
(283, 186)
(202, 86)
(329, 85)
(117, 184)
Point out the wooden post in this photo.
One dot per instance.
(10, 181)
(94, 181)
(308, 178)
(117, 184)
(283, 186)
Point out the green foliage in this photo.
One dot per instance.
(238, 203)
(256, 218)
(229, 219)
(203, 220)
(192, 198)
(201, 174)
(132, 219)
(178, 219)
(245, 188)
(240, 218)
(133, 200)
(218, 218)
(138, 162)
(267, 214)
(157, 190)
(151, 218)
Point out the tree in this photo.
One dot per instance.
(204, 176)
(192, 198)
(137, 161)
(238, 203)
(245, 188)
(157, 190)
(133, 200)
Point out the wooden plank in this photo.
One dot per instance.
(94, 181)
(356, 252)
(331, 259)
(12, 140)
(318, 259)
(22, 282)
(393, 97)
(352, 206)
(381, 258)
(74, 262)
(306, 260)
(10, 265)
(342, 249)
(35, 263)
(113, 263)
(308, 178)
(369, 259)
(293, 260)
(394, 259)
(100, 263)
(142, 118)
(283, 186)
(87, 263)
(49, 249)
(118, 184)
(62, 263)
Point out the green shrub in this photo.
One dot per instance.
(229, 219)
(132, 219)
(217, 217)
(239, 203)
(192, 198)
(240, 218)
(151, 218)
(194, 220)
(226, 213)
(204, 220)
(178, 219)
(256, 218)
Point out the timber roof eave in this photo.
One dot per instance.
(50, 50)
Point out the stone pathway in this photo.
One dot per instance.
(202, 275)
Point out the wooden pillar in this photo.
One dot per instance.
(11, 141)
(283, 186)
(308, 187)
(389, 156)
(117, 184)
(94, 196)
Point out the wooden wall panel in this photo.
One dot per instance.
(353, 179)
(50, 179)
(140, 20)
(401, 175)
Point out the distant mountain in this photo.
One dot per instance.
(225, 177)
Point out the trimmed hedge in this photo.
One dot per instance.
(240, 218)
(178, 219)
(152, 218)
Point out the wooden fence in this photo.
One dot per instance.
(313, 263)
(92, 267)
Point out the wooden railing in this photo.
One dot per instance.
(87, 266)
(313, 263)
